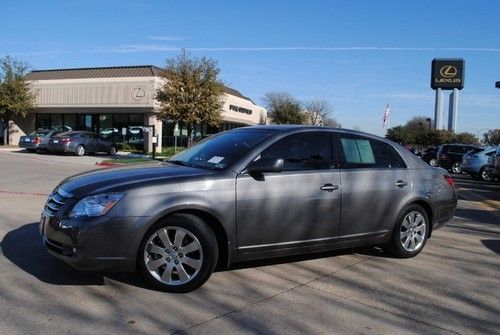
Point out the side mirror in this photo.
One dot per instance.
(266, 165)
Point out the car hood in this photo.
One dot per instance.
(122, 178)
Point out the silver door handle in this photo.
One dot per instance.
(400, 183)
(329, 187)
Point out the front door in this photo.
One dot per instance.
(299, 206)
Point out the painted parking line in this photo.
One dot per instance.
(24, 193)
(492, 206)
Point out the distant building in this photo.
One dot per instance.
(117, 102)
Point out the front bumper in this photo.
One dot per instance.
(94, 244)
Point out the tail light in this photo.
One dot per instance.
(37, 140)
(66, 140)
(449, 180)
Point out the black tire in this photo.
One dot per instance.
(112, 151)
(483, 175)
(456, 168)
(395, 245)
(207, 254)
(80, 150)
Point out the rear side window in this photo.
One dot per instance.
(361, 152)
(303, 151)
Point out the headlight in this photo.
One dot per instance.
(95, 205)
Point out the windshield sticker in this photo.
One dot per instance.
(215, 160)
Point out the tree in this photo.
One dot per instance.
(283, 108)
(492, 137)
(16, 98)
(192, 93)
(318, 112)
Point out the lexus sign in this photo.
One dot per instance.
(447, 74)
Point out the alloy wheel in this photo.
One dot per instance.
(173, 255)
(485, 175)
(433, 162)
(456, 168)
(413, 231)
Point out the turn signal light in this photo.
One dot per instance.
(450, 180)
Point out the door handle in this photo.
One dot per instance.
(400, 183)
(329, 187)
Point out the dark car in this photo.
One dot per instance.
(449, 156)
(430, 156)
(248, 193)
(493, 164)
(37, 140)
(80, 143)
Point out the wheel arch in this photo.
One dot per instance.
(215, 225)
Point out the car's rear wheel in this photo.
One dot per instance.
(485, 175)
(178, 254)
(456, 167)
(410, 232)
(112, 151)
(80, 150)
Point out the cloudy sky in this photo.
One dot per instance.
(355, 54)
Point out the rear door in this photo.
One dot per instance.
(375, 182)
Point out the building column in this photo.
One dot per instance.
(150, 119)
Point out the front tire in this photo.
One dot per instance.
(485, 175)
(433, 162)
(410, 232)
(178, 254)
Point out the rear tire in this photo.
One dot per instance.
(112, 151)
(178, 254)
(80, 150)
(410, 232)
(456, 168)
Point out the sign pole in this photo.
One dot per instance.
(438, 109)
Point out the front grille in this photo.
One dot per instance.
(55, 201)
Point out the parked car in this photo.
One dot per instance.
(80, 143)
(493, 165)
(37, 140)
(248, 193)
(474, 163)
(450, 156)
(430, 156)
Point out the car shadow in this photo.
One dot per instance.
(493, 245)
(23, 247)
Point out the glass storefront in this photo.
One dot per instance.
(109, 125)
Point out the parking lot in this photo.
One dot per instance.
(452, 287)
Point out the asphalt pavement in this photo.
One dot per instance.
(452, 287)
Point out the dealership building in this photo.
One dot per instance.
(118, 102)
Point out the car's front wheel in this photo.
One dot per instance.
(178, 254)
(485, 175)
(433, 162)
(410, 232)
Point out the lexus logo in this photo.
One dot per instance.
(138, 94)
(448, 71)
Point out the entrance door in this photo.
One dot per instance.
(87, 122)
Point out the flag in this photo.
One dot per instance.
(386, 114)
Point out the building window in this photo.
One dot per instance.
(43, 121)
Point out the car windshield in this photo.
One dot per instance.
(39, 133)
(219, 151)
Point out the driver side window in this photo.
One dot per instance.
(303, 151)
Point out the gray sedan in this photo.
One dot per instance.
(81, 143)
(248, 193)
(37, 140)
